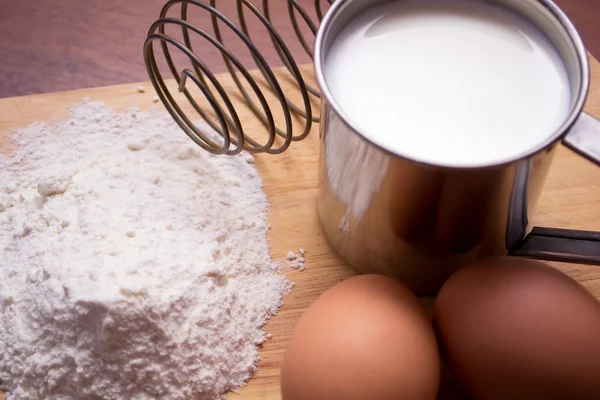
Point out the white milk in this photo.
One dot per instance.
(450, 82)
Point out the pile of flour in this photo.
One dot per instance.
(133, 264)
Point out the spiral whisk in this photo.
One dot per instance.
(253, 87)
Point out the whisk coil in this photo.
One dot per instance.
(228, 124)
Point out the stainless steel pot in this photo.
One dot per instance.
(419, 222)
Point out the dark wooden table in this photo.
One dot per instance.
(55, 45)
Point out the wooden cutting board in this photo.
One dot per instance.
(571, 200)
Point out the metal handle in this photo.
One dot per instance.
(584, 138)
(554, 244)
(560, 245)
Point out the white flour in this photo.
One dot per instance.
(296, 260)
(133, 265)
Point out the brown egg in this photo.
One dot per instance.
(367, 338)
(513, 329)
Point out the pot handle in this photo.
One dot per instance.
(565, 245)
(584, 138)
(553, 244)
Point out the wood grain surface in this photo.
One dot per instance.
(571, 200)
(57, 45)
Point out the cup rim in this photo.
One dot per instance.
(565, 23)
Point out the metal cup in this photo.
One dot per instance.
(419, 222)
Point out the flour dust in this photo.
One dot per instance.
(133, 265)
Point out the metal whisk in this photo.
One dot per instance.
(228, 124)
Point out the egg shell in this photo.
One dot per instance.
(516, 329)
(366, 338)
